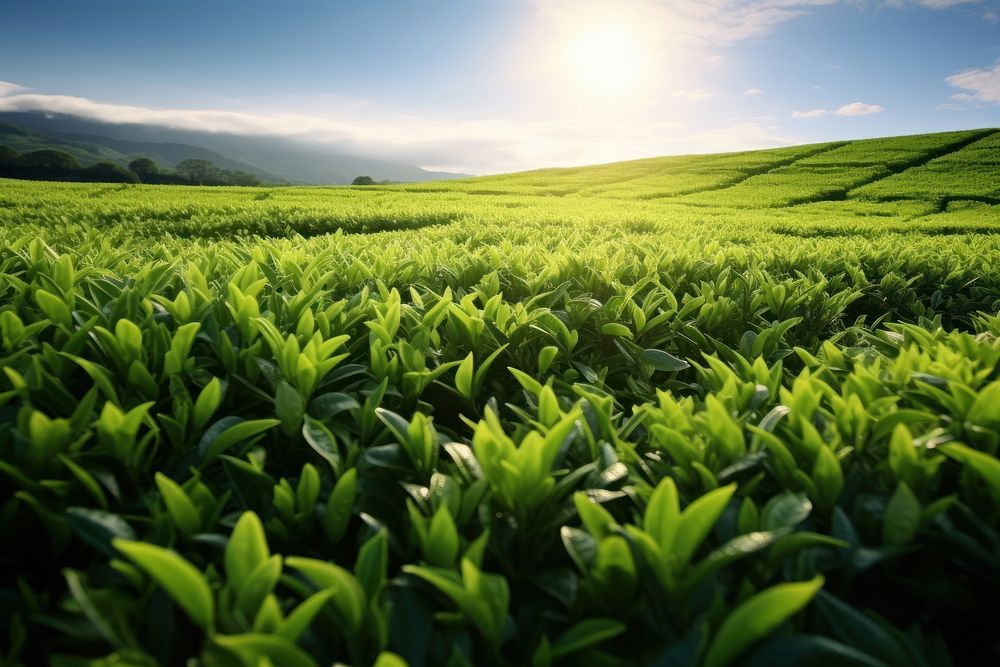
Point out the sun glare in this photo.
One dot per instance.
(606, 59)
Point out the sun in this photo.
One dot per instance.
(606, 59)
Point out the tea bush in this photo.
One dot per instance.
(418, 425)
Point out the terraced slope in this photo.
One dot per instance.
(838, 172)
(714, 410)
(970, 173)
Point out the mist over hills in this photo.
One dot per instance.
(273, 159)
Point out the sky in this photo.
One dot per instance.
(488, 86)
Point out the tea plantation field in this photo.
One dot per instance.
(736, 409)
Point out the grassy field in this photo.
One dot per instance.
(704, 410)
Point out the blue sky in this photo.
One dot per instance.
(483, 87)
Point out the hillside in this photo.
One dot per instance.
(941, 167)
(23, 140)
(93, 148)
(736, 410)
(283, 159)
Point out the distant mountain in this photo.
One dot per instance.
(24, 140)
(270, 158)
(88, 148)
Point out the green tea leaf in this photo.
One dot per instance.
(698, 519)
(183, 513)
(663, 361)
(246, 549)
(828, 477)
(300, 618)
(662, 516)
(442, 539)
(54, 308)
(228, 431)
(585, 634)
(786, 509)
(463, 377)
(348, 597)
(595, 518)
(257, 585)
(322, 440)
(182, 582)
(279, 650)
(289, 408)
(207, 403)
(757, 617)
(616, 330)
(98, 528)
(902, 517)
(372, 563)
(984, 465)
(386, 659)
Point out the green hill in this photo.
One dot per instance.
(23, 140)
(879, 169)
(88, 149)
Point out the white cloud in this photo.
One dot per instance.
(695, 95)
(753, 91)
(471, 146)
(695, 21)
(852, 109)
(722, 22)
(983, 84)
(943, 4)
(6, 88)
(985, 9)
(858, 109)
(738, 137)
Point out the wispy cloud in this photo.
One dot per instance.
(858, 109)
(6, 88)
(753, 91)
(941, 4)
(852, 109)
(813, 113)
(983, 85)
(695, 95)
(722, 22)
(716, 22)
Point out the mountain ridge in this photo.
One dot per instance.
(273, 159)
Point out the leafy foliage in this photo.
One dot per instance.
(578, 429)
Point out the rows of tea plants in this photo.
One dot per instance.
(969, 173)
(539, 430)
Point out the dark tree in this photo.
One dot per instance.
(9, 163)
(49, 159)
(363, 180)
(240, 178)
(199, 171)
(7, 155)
(143, 167)
(53, 165)
(108, 172)
(48, 164)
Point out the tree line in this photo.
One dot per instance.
(53, 165)
(368, 180)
